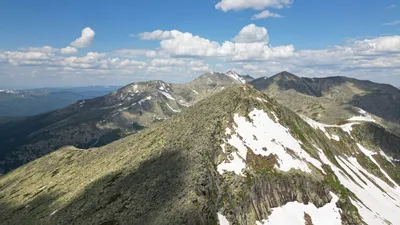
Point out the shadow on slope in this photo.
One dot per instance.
(142, 196)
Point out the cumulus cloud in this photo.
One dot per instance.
(68, 50)
(159, 35)
(251, 33)
(26, 58)
(265, 14)
(44, 49)
(249, 44)
(186, 55)
(378, 45)
(85, 40)
(227, 5)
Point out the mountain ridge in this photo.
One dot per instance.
(237, 156)
(96, 122)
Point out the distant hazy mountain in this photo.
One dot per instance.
(236, 157)
(14, 103)
(96, 122)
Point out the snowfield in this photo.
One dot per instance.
(375, 206)
(293, 213)
(266, 136)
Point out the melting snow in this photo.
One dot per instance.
(186, 104)
(346, 127)
(261, 99)
(264, 137)
(194, 91)
(43, 187)
(54, 212)
(222, 219)
(174, 110)
(364, 117)
(209, 80)
(81, 103)
(235, 77)
(236, 165)
(388, 158)
(370, 156)
(167, 95)
(376, 206)
(143, 100)
(293, 213)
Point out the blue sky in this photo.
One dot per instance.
(309, 38)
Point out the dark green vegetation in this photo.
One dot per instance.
(167, 174)
(31, 102)
(99, 121)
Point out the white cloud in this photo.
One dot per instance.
(227, 5)
(378, 45)
(133, 53)
(159, 35)
(250, 44)
(26, 58)
(265, 14)
(251, 33)
(186, 55)
(85, 40)
(393, 23)
(44, 49)
(68, 50)
(167, 62)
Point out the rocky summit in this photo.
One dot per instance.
(235, 157)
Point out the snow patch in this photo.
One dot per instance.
(143, 100)
(167, 95)
(43, 187)
(236, 164)
(236, 77)
(370, 154)
(222, 219)
(261, 99)
(364, 117)
(184, 103)
(54, 212)
(320, 126)
(174, 110)
(293, 213)
(375, 206)
(388, 158)
(194, 91)
(316, 125)
(264, 137)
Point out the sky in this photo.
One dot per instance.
(47, 43)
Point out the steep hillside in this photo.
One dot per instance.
(237, 157)
(96, 122)
(334, 99)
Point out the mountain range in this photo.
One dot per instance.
(99, 121)
(19, 103)
(236, 156)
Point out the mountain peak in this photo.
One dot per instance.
(235, 76)
(286, 75)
